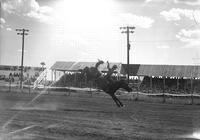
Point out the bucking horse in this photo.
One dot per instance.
(106, 83)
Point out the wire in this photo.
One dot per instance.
(154, 41)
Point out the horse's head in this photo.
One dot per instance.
(99, 63)
(124, 85)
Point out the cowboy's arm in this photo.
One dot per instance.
(108, 66)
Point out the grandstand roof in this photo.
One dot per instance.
(62, 66)
(169, 70)
(135, 69)
(74, 66)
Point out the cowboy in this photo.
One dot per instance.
(108, 76)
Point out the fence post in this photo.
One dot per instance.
(192, 98)
(151, 84)
(164, 100)
(48, 90)
(69, 92)
(10, 84)
(137, 95)
(85, 80)
(91, 88)
(29, 87)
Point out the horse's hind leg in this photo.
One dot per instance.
(117, 103)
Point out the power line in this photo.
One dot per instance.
(154, 41)
(22, 32)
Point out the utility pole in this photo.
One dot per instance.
(22, 32)
(128, 30)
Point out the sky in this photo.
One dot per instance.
(166, 31)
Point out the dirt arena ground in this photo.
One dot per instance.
(61, 117)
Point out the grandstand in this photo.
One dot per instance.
(29, 72)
